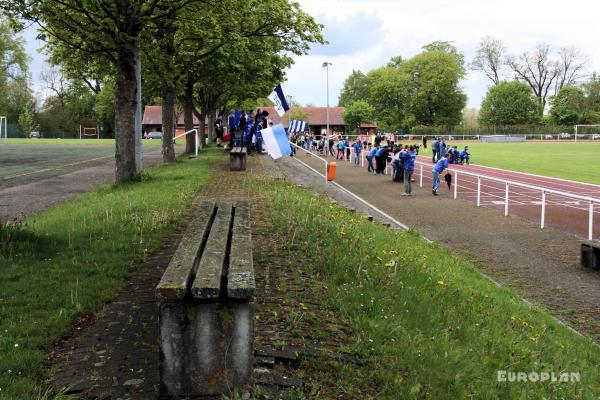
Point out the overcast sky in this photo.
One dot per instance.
(364, 35)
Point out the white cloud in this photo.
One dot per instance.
(405, 26)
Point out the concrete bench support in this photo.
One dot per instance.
(590, 254)
(206, 311)
(237, 159)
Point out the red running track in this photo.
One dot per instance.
(561, 212)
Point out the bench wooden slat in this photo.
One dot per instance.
(207, 284)
(174, 282)
(240, 281)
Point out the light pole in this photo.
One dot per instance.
(326, 65)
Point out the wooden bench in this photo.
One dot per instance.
(206, 313)
(590, 254)
(237, 159)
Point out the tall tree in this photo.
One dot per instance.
(509, 103)
(489, 58)
(537, 69)
(14, 73)
(387, 92)
(358, 112)
(355, 88)
(111, 31)
(567, 106)
(446, 47)
(434, 95)
(571, 67)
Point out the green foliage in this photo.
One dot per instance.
(26, 121)
(14, 73)
(423, 90)
(434, 95)
(357, 112)
(447, 47)
(72, 259)
(388, 90)
(71, 106)
(355, 88)
(509, 103)
(567, 106)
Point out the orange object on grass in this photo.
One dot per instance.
(331, 171)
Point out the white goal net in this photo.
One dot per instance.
(587, 132)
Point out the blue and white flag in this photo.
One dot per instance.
(297, 126)
(279, 101)
(276, 141)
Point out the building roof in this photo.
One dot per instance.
(153, 116)
(316, 116)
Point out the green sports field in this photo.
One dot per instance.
(27, 160)
(574, 161)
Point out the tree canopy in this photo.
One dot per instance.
(357, 112)
(14, 73)
(422, 90)
(509, 103)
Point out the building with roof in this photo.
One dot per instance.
(152, 120)
(316, 117)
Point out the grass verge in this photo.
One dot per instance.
(70, 260)
(425, 322)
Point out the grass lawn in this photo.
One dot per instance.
(425, 322)
(568, 160)
(73, 258)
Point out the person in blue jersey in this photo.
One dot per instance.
(464, 155)
(357, 146)
(437, 170)
(370, 157)
(258, 135)
(442, 147)
(247, 137)
(409, 167)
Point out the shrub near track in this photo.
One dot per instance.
(73, 258)
(426, 322)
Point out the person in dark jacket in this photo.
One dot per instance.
(381, 160)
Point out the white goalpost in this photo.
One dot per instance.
(87, 133)
(594, 136)
(3, 127)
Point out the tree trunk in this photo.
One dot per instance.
(211, 126)
(202, 126)
(125, 108)
(188, 117)
(168, 123)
